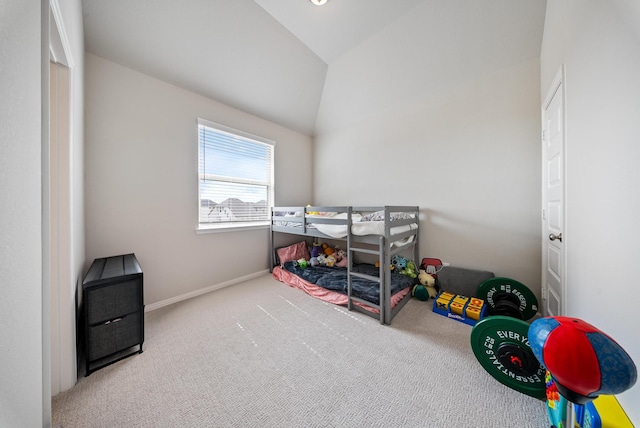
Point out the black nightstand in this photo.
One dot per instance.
(113, 306)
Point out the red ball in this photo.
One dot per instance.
(584, 361)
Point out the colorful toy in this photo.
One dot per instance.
(602, 412)
(322, 260)
(556, 403)
(410, 270)
(404, 266)
(428, 282)
(431, 265)
(301, 263)
(579, 375)
(327, 250)
(468, 310)
(399, 263)
(314, 261)
(341, 257)
(330, 261)
(420, 292)
(585, 364)
(316, 249)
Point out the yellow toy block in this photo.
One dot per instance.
(478, 303)
(458, 304)
(443, 300)
(473, 312)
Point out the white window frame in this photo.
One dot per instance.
(230, 225)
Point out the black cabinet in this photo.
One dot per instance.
(113, 306)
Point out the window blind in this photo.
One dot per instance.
(235, 172)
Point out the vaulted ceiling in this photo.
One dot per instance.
(265, 57)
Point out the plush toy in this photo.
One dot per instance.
(429, 282)
(314, 261)
(330, 261)
(322, 260)
(399, 263)
(404, 266)
(420, 292)
(301, 262)
(410, 270)
(341, 257)
(327, 249)
(316, 249)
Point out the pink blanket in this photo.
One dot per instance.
(336, 298)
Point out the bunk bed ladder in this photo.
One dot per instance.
(381, 253)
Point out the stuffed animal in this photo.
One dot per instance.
(341, 257)
(429, 282)
(301, 262)
(404, 266)
(410, 270)
(399, 263)
(330, 261)
(314, 261)
(316, 249)
(420, 292)
(322, 260)
(327, 249)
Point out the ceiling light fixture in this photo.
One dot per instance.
(318, 2)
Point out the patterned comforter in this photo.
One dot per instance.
(335, 279)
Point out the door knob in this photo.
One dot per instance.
(553, 237)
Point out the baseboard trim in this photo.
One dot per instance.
(167, 302)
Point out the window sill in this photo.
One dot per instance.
(221, 228)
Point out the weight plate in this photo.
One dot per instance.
(501, 345)
(496, 290)
(508, 308)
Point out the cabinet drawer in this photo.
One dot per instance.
(114, 336)
(109, 302)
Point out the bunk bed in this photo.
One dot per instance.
(377, 231)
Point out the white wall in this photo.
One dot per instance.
(141, 181)
(406, 120)
(599, 44)
(21, 347)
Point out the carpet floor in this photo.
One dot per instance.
(262, 354)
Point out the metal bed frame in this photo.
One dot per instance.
(382, 246)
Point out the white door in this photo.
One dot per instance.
(553, 194)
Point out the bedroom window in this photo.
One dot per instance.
(235, 177)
